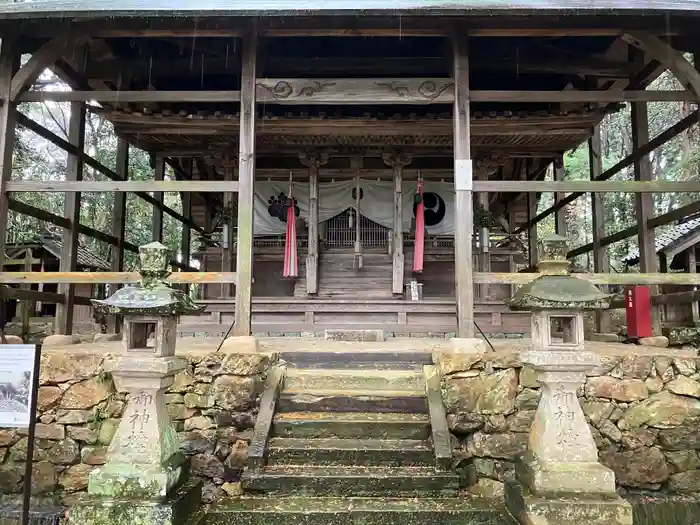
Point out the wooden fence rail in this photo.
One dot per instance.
(219, 186)
(111, 277)
(687, 279)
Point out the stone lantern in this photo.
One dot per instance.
(144, 462)
(560, 468)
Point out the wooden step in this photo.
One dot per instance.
(350, 481)
(349, 379)
(274, 510)
(327, 400)
(350, 451)
(349, 425)
(359, 360)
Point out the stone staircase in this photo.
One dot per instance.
(337, 445)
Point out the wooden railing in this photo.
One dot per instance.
(684, 279)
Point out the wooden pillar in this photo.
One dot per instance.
(246, 179)
(27, 307)
(560, 217)
(693, 268)
(157, 225)
(69, 244)
(464, 206)
(9, 60)
(644, 204)
(601, 264)
(313, 162)
(204, 289)
(118, 227)
(228, 259)
(186, 238)
(484, 245)
(397, 162)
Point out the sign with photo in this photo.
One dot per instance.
(16, 380)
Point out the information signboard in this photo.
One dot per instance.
(17, 368)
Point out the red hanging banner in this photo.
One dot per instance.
(291, 264)
(420, 231)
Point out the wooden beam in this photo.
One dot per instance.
(624, 279)
(400, 30)
(464, 213)
(376, 91)
(41, 59)
(660, 50)
(481, 124)
(8, 113)
(493, 186)
(111, 277)
(157, 219)
(661, 220)
(68, 261)
(37, 128)
(134, 97)
(647, 148)
(52, 218)
(136, 186)
(246, 178)
(599, 186)
(681, 279)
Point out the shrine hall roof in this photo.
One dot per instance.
(672, 236)
(96, 8)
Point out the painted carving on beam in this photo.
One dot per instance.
(427, 90)
(283, 90)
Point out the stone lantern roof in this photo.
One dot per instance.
(556, 289)
(152, 295)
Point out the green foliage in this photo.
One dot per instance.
(36, 159)
(678, 159)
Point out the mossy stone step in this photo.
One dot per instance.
(351, 481)
(331, 400)
(375, 360)
(354, 511)
(312, 379)
(364, 452)
(384, 425)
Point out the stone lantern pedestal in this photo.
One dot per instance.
(145, 478)
(559, 479)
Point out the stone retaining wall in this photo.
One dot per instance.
(643, 410)
(213, 403)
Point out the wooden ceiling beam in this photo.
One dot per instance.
(360, 92)
(501, 61)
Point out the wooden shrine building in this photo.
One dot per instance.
(355, 107)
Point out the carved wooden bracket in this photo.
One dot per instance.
(313, 160)
(397, 159)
